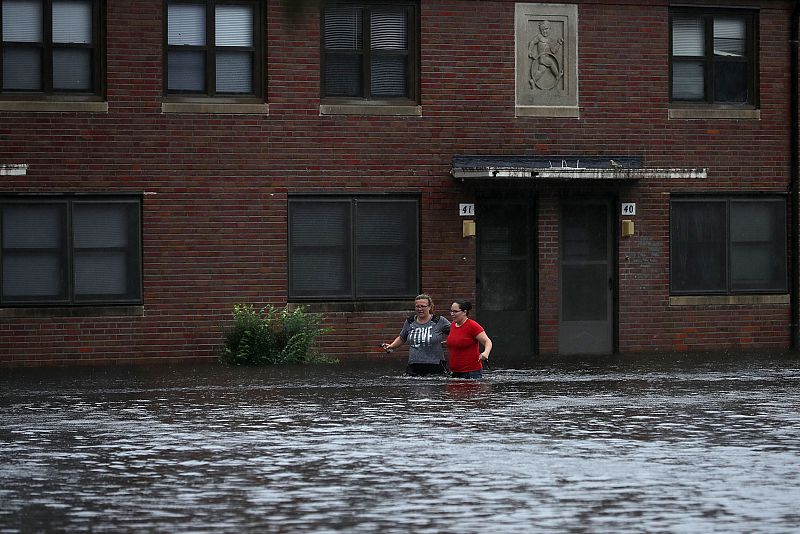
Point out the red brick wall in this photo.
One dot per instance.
(216, 186)
(548, 279)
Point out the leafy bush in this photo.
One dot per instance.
(271, 335)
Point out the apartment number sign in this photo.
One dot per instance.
(629, 208)
(466, 210)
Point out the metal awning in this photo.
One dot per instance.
(535, 168)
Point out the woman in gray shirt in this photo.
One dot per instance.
(424, 332)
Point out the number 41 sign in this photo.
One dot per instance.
(629, 208)
(466, 210)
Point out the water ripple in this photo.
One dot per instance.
(586, 448)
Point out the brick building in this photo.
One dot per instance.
(630, 167)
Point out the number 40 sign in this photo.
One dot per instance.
(629, 208)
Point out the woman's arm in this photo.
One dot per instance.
(389, 347)
(484, 340)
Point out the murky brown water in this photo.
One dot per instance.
(672, 444)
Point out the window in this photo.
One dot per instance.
(51, 46)
(713, 57)
(728, 245)
(353, 248)
(213, 48)
(369, 52)
(70, 250)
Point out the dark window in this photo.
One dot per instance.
(213, 48)
(714, 56)
(728, 245)
(369, 51)
(63, 251)
(353, 248)
(51, 46)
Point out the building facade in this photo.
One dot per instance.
(598, 177)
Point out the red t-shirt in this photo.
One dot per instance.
(465, 351)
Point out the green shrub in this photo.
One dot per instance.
(271, 335)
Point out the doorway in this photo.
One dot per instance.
(586, 317)
(506, 272)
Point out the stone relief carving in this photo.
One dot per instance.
(546, 55)
(546, 42)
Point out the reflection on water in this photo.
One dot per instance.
(674, 444)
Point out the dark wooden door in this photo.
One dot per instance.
(506, 276)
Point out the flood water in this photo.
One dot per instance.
(665, 444)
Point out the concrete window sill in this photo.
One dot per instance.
(722, 300)
(72, 311)
(714, 113)
(371, 110)
(216, 108)
(48, 106)
(355, 306)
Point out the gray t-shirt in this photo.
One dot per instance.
(425, 340)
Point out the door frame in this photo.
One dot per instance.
(612, 202)
(530, 200)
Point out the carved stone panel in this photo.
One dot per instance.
(546, 38)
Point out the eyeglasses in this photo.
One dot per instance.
(455, 311)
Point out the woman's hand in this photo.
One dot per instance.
(484, 340)
(387, 348)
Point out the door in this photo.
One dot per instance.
(506, 276)
(587, 284)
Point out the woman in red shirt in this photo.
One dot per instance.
(464, 341)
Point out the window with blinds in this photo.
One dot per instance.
(728, 245)
(70, 251)
(369, 51)
(61, 58)
(353, 248)
(713, 56)
(213, 48)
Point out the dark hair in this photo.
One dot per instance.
(465, 305)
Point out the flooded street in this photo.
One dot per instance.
(670, 444)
